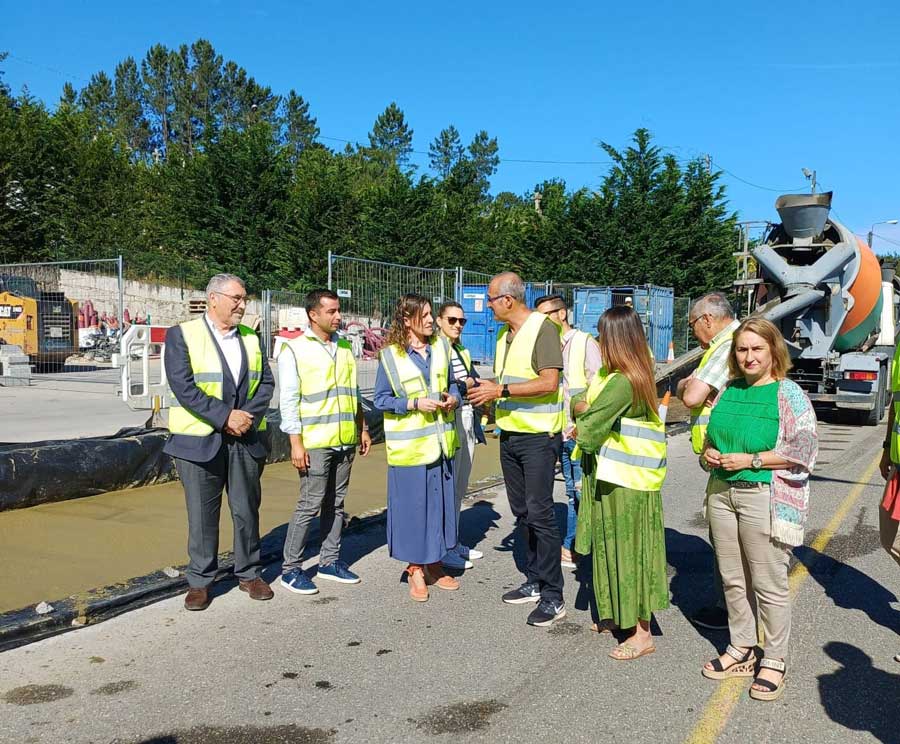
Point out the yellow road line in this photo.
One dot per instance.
(721, 705)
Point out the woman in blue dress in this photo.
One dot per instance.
(415, 390)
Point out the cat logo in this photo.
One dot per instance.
(10, 311)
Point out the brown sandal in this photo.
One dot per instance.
(418, 589)
(434, 574)
(744, 666)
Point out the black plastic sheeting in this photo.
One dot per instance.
(45, 472)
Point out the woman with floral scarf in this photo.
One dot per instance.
(761, 445)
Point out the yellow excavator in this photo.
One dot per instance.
(43, 324)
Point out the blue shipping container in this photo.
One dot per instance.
(654, 304)
(480, 333)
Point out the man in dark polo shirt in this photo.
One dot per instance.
(528, 366)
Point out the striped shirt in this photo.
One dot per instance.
(715, 372)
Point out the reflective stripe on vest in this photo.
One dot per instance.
(633, 455)
(534, 415)
(895, 389)
(206, 365)
(417, 437)
(328, 391)
(700, 414)
(576, 378)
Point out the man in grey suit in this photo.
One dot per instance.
(221, 385)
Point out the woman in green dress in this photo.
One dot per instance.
(620, 522)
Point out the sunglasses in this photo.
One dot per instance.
(453, 321)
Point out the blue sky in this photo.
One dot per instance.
(765, 88)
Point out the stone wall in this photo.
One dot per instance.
(165, 305)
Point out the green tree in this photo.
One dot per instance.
(132, 129)
(98, 101)
(446, 151)
(299, 128)
(390, 140)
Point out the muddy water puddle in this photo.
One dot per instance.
(57, 550)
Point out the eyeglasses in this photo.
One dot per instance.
(691, 323)
(554, 310)
(454, 320)
(492, 300)
(236, 299)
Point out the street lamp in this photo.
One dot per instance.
(872, 229)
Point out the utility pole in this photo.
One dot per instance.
(811, 177)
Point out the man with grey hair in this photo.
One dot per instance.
(220, 385)
(713, 324)
(528, 366)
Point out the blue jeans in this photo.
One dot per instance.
(571, 469)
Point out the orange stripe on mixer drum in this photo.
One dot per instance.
(866, 289)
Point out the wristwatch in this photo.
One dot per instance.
(504, 392)
(756, 462)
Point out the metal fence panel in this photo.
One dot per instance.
(369, 290)
(66, 315)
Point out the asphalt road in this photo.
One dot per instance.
(365, 664)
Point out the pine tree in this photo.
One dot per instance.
(446, 151)
(390, 140)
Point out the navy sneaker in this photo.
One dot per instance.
(298, 582)
(525, 593)
(547, 612)
(338, 571)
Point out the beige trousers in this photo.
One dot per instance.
(890, 535)
(751, 566)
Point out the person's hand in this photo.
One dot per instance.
(735, 461)
(713, 457)
(886, 466)
(238, 423)
(426, 405)
(365, 442)
(448, 402)
(485, 393)
(574, 433)
(471, 383)
(299, 457)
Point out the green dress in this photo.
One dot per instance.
(621, 527)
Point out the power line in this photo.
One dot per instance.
(750, 183)
(886, 240)
(45, 67)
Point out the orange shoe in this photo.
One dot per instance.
(434, 574)
(418, 590)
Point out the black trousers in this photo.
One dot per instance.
(236, 471)
(529, 467)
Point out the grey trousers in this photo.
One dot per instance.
(751, 564)
(465, 455)
(236, 471)
(322, 488)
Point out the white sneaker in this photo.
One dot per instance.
(454, 560)
(466, 552)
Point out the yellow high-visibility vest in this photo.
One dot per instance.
(700, 414)
(537, 415)
(329, 398)
(209, 375)
(895, 389)
(633, 455)
(575, 375)
(417, 437)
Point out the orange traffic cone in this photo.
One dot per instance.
(664, 406)
(670, 357)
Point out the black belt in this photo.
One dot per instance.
(744, 484)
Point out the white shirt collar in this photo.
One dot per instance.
(228, 334)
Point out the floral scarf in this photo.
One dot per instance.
(798, 443)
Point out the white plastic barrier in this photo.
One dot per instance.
(136, 347)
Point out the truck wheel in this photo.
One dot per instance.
(873, 417)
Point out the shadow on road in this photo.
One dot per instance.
(850, 588)
(860, 697)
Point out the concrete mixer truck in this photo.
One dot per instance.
(834, 304)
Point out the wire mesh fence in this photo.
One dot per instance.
(682, 340)
(65, 316)
(370, 289)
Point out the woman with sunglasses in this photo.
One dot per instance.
(451, 321)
